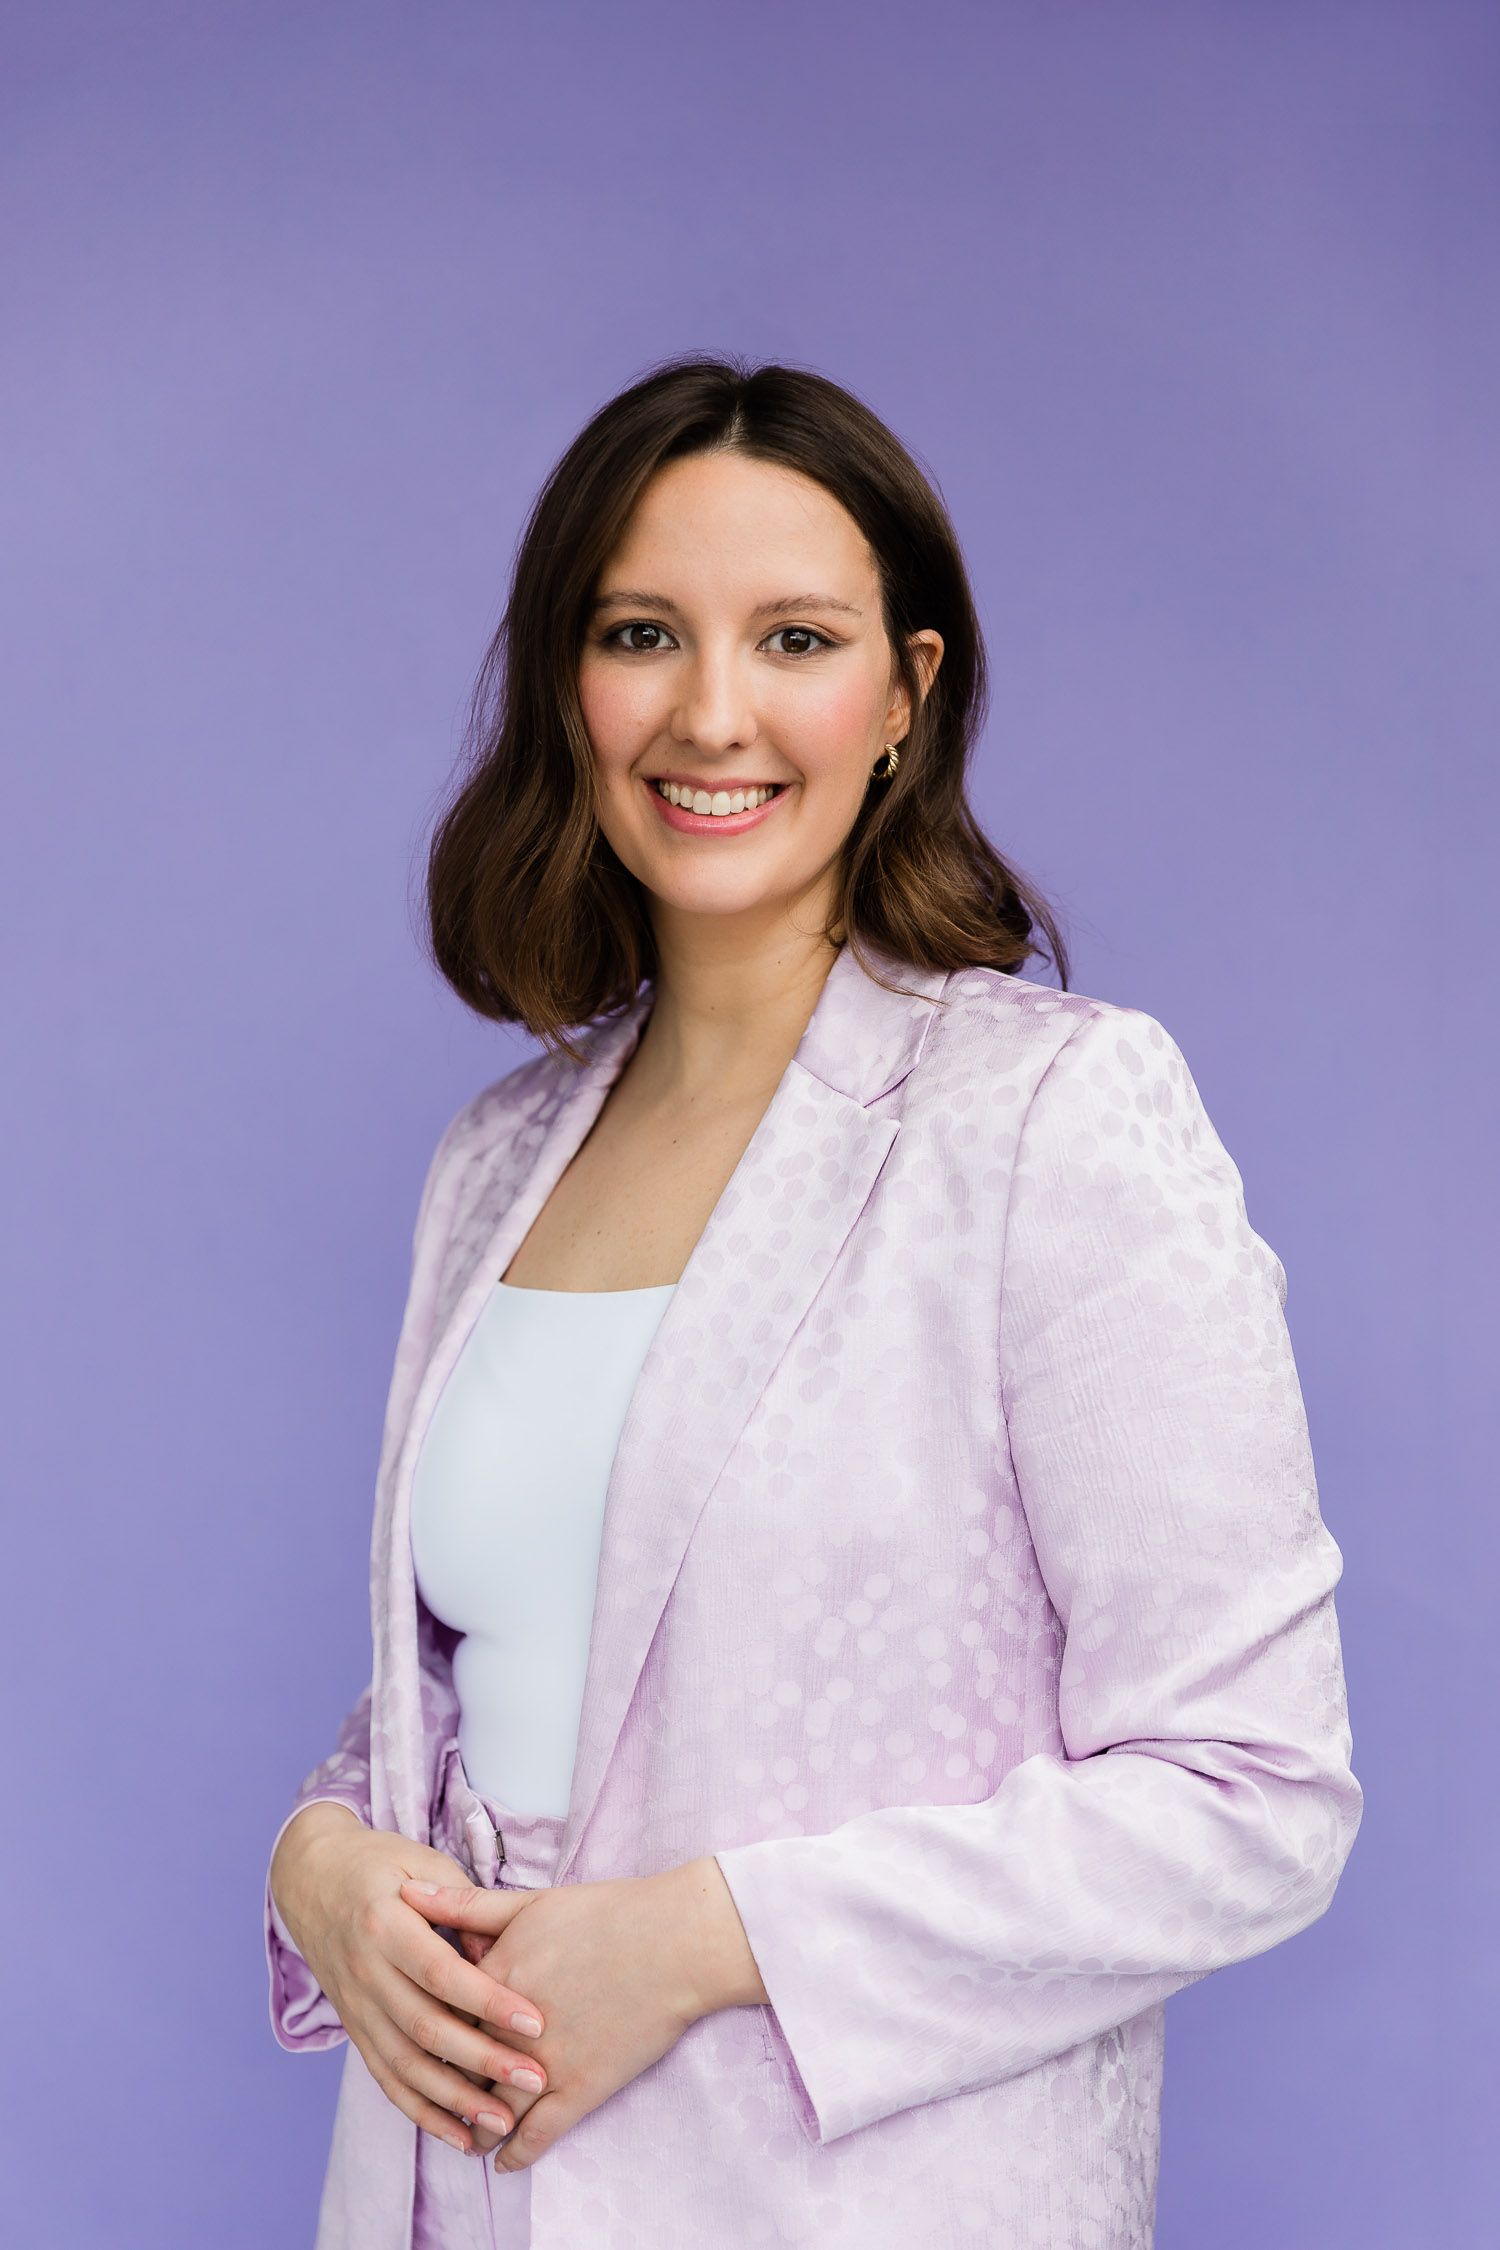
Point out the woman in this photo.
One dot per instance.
(853, 1630)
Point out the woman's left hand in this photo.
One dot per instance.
(619, 1971)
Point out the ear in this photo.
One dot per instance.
(926, 652)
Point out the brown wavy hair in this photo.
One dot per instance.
(534, 920)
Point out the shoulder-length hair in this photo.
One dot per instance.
(533, 918)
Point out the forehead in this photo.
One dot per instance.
(727, 520)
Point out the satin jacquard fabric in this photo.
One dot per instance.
(962, 1587)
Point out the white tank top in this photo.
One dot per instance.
(506, 1516)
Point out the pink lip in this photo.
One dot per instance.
(711, 824)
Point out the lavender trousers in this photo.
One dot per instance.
(462, 2202)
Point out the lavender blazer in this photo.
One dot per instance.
(963, 1588)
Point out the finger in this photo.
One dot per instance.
(390, 1996)
(489, 2129)
(490, 2125)
(516, 2105)
(440, 2088)
(464, 1986)
(516, 2100)
(544, 2124)
(438, 2033)
(466, 1907)
(414, 2014)
(490, 2113)
(433, 2117)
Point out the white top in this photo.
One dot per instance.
(506, 1517)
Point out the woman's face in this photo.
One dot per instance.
(737, 663)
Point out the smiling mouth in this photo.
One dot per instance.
(717, 804)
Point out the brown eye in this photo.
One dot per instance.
(643, 638)
(795, 640)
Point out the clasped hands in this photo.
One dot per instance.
(588, 1984)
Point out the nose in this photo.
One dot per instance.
(715, 713)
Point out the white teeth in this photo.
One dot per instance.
(718, 805)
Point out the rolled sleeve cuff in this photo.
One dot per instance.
(302, 2016)
(749, 1870)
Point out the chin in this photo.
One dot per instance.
(720, 899)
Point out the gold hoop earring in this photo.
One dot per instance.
(885, 767)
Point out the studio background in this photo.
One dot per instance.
(1191, 309)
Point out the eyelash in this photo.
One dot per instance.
(615, 638)
(820, 640)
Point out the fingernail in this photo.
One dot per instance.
(527, 2080)
(429, 1889)
(529, 2026)
(454, 2142)
(496, 2121)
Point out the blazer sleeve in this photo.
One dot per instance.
(302, 2017)
(1202, 1805)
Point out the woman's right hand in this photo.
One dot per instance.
(417, 2010)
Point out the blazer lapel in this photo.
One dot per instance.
(491, 1237)
(767, 1249)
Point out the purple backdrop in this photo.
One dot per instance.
(1191, 309)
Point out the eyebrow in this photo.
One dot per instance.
(806, 601)
(627, 597)
(630, 597)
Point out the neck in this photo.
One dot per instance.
(732, 999)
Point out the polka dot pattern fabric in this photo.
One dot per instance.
(963, 1588)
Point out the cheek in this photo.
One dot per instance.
(619, 712)
(831, 727)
